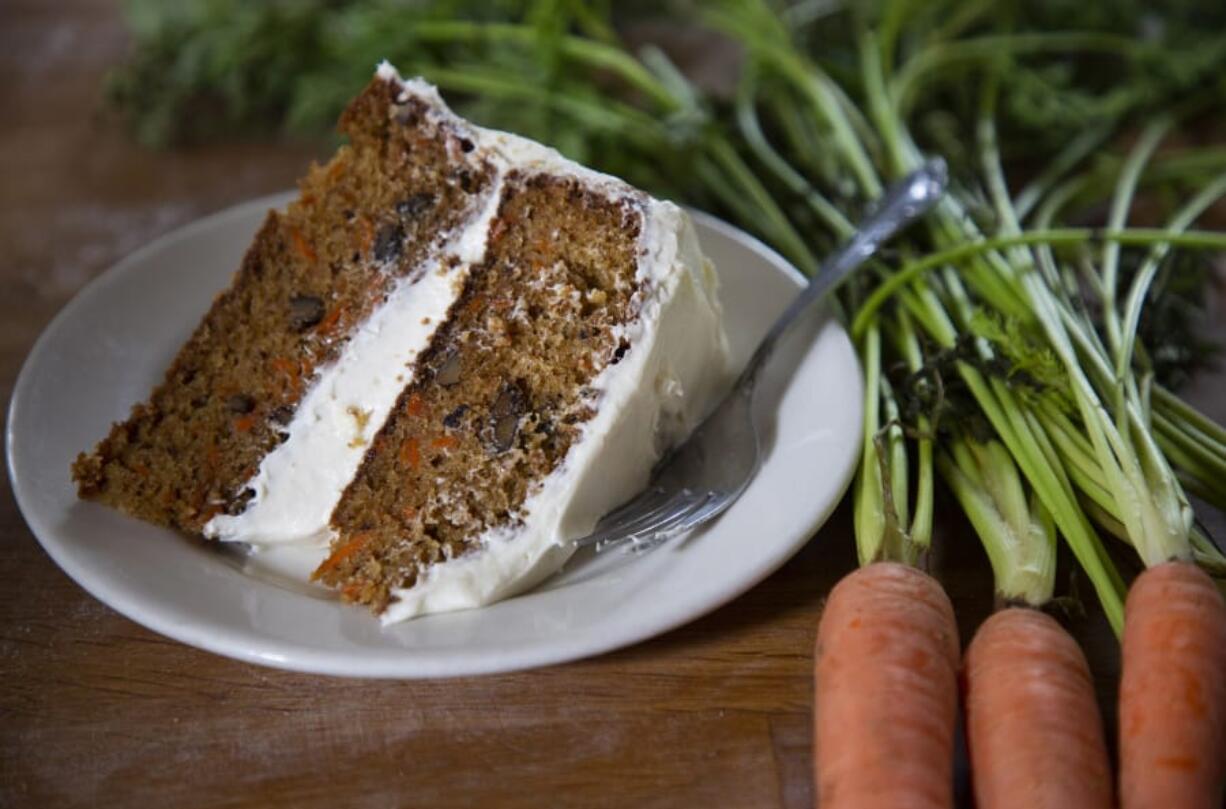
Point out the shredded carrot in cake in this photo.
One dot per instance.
(445, 442)
(293, 372)
(355, 544)
(415, 405)
(301, 246)
(375, 289)
(243, 424)
(328, 324)
(410, 453)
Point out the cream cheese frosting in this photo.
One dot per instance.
(673, 373)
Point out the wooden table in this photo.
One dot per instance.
(96, 710)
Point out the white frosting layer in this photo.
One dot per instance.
(675, 371)
(300, 482)
(672, 374)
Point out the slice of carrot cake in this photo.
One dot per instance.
(453, 353)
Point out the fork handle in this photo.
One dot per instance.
(903, 203)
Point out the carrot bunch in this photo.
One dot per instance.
(887, 663)
(1018, 364)
(887, 669)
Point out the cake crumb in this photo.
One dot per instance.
(361, 418)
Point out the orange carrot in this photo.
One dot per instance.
(410, 453)
(328, 324)
(445, 442)
(886, 692)
(1034, 733)
(351, 546)
(1173, 691)
(301, 246)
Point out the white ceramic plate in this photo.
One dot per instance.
(110, 345)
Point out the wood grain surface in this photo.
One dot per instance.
(98, 711)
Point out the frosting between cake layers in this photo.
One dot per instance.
(675, 371)
(672, 374)
(299, 483)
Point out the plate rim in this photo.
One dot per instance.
(288, 655)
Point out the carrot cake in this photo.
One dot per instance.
(449, 356)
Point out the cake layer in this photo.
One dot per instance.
(503, 392)
(299, 482)
(675, 369)
(586, 342)
(363, 223)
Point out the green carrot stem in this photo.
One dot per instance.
(1195, 239)
(590, 53)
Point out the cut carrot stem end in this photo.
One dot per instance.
(1033, 728)
(886, 691)
(1173, 691)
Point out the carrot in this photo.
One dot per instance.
(330, 321)
(410, 453)
(1034, 733)
(1173, 691)
(301, 246)
(886, 691)
(351, 546)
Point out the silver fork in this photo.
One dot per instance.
(700, 479)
